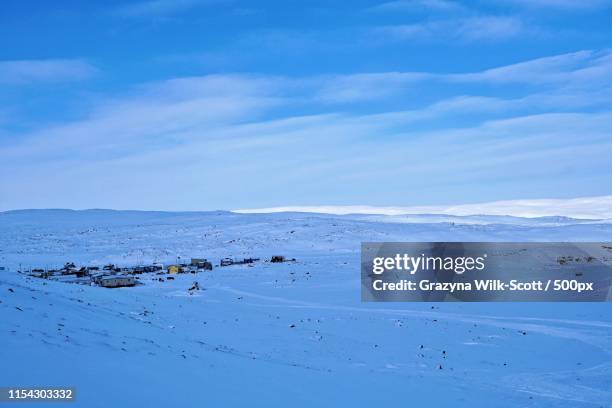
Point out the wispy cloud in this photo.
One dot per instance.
(488, 28)
(560, 4)
(419, 5)
(158, 8)
(184, 109)
(363, 87)
(217, 132)
(588, 70)
(580, 67)
(153, 116)
(51, 70)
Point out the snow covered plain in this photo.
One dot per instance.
(293, 334)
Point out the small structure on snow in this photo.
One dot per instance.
(280, 259)
(201, 264)
(172, 269)
(244, 261)
(116, 281)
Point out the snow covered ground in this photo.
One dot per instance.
(293, 334)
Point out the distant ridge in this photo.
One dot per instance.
(584, 208)
(578, 208)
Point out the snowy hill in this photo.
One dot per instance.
(293, 334)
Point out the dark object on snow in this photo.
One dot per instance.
(247, 261)
(280, 259)
(226, 262)
(82, 272)
(69, 269)
(207, 266)
(201, 263)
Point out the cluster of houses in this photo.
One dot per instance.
(111, 276)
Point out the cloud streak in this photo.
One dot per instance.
(219, 134)
(20, 72)
(483, 28)
(158, 8)
(419, 5)
(569, 5)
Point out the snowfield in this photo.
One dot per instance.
(291, 334)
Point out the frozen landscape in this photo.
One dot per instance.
(291, 334)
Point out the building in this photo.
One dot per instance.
(203, 265)
(196, 261)
(226, 262)
(81, 272)
(116, 281)
(39, 273)
(190, 269)
(174, 269)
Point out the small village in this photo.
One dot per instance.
(112, 276)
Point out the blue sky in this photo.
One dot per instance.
(197, 105)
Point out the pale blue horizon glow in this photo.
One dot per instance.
(201, 105)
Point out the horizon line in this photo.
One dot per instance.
(590, 207)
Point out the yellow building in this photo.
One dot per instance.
(174, 269)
